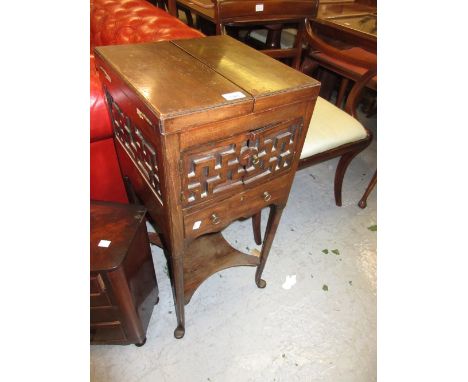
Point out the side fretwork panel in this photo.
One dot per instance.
(141, 151)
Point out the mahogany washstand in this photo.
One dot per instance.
(207, 131)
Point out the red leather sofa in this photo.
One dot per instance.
(120, 22)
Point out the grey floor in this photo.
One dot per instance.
(315, 320)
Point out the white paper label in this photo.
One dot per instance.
(104, 243)
(234, 95)
(196, 225)
(290, 281)
(258, 7)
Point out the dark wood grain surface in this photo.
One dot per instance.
(170, 81)
(202, 8)
(117, 223)
(348, 24)
(257, 73)
(123, 287)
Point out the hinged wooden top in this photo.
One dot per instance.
(171, 82)
(258, 74)
(115, 223)
(208, 79)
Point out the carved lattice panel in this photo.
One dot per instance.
(229, 164)
(275, 148)
(137, 147)
(214, 169)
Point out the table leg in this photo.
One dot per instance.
(273, 40)
(178, 277)
(273, 221)
(256, 225)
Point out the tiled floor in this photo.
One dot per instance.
(323, 328)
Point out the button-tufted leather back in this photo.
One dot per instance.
(126, 22)
(133, 21)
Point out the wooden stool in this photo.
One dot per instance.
(124, 289)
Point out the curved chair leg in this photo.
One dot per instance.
(343, 164)
(256, 226)
(363, 202)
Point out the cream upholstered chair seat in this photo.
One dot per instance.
(332, 132)
(330, 127)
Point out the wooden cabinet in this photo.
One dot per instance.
(123, 286)
(207, 131)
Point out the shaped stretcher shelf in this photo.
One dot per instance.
(207, 255)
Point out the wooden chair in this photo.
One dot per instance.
(348, 72)
(228, 16)
(279, 13)
(171, 7)
(333, 132)
(272, 15)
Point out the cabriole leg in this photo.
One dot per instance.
(273, 221)
(343, 164)
(256, 225)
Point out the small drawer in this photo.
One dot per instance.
(218, 215)
(104, 314)
(110, 331)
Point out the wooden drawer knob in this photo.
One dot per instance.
(266, 196)
(215, 219)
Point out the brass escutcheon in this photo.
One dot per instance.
(266, 196)
(215, 219)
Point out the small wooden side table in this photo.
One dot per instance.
(124, 289)
(207, 131)
(348, 24)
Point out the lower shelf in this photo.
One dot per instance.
(207, 255)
